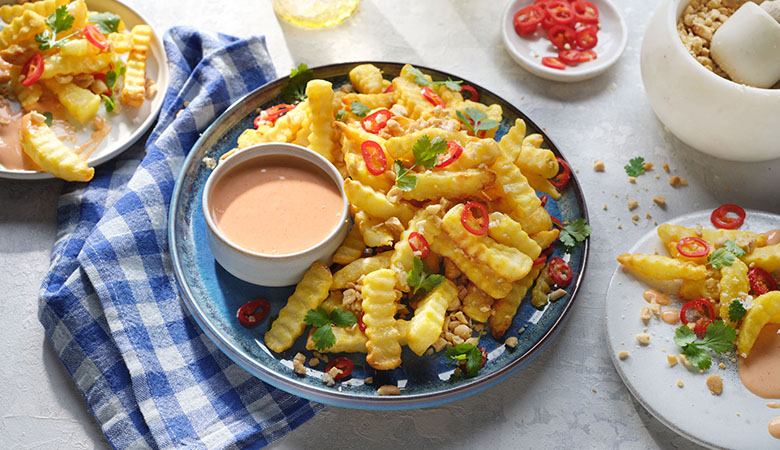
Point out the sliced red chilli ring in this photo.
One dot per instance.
(253, 312)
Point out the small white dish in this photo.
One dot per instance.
(528, 51)
(708, 112)
(130, 123)
(736, 419)
(263, 269)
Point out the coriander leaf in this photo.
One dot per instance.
(426, 151)
(720, 337)
(295, 89)
(458, 352)
(60, 20)
(721, 257)
(468, 353)
(45, 39)
(419, 77)
(110, 104)
(111, 77)
(323, 337)
(49, 117)
(106, 22)
(473, 362)
(698, 356)
(316, 318)
(574, 232)
(340, 114)
(403, 179)
(635, 167)
(419, 280)
(475, 114)
(486, 124)
(736, 310)
(465, 121)
(342, 318)
(735, 249)
(359, 109)
(684, 336)
(452, 85)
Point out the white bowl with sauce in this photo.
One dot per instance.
(709, 113)
(272, 210)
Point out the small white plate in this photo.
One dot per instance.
(528, 51)
(131, 123)
(737, 419)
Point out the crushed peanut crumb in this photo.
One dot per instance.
(660, 200)
(605, 206)
(648, 216)
(666, 167)
(643, 339)
(632, 205)
(647, 165)
(675, 180)
(721, 365)
(623, 355)
(328, 380)
(511, 342)
(680, 384)
(672, 360)
(715, 383)
(632, 180)
(388, 389)
(598, 165)
(299, 361)
(644, 314)
(313, 362)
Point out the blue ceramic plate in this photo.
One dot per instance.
(212, 295)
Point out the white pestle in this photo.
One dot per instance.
(747, 45)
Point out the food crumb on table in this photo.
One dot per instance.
(632, 180)
(647, 165)
(643, 339)
(721, 365)
(605, 206)
(680, 383)
(672, 360)
(598, 165)
(644, 314)
(660, 200)
(666, 167)
(632, 205)
(623, 355)
(715, 384)
(388, 389)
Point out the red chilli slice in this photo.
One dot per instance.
(721, 219)
(527, 20)
(419, 244)
(702, 307)
(553, 63)
(562, 179)
(376, 120)
(467, 217)
(454, 150)
(32, 70)
(432, 97)
(693, 247)
(345, 365)
(95, 37)
(560, 271)
(761, 281)
(474, 96)
(253, 312)
(374, 156)
(360, 323)
(560, 35)
(587, 38)
(585, 11)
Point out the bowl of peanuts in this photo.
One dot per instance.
(693, 97)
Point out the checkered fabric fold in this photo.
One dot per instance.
(110, 305)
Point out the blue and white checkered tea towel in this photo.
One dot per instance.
(110, 304)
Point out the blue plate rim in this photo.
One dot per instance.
(346, 399)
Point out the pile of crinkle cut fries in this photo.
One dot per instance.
(449, 233)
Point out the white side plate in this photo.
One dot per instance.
(131, 123)
(737, 419)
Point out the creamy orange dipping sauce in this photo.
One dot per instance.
(772, 237)
(276, 205)
(660, 298)
(760, 371)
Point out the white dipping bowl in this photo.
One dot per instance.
(709, 113)
(272, 270)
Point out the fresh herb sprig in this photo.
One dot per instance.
(49, 117)
(58, 21)
(112, 76)
(106, 22)
(736, 310)
(322, 321)
(426, 154)
(420, 281)
(420, 80)
(475, 120)
(573, 233)
(356, 107)
(726, 255)
(635, 167)
(295, 89)
(468, 356)
(719, 338)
